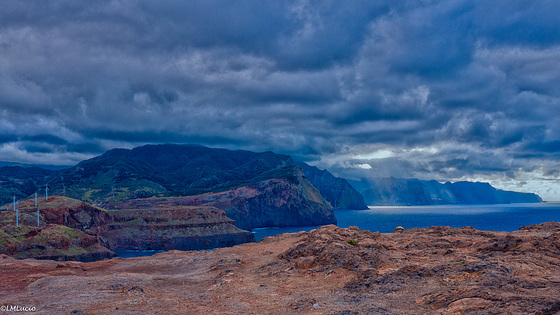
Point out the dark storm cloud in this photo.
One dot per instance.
(45, 138)
(443, 89)
(519, 22)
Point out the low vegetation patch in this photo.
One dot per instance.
(462, 262)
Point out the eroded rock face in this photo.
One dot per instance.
(437, 270)
(278, 203)
(167, 228)
(272, 203)
(147, 227)
(335, 190)
(81, 216)
(292, 201)
(53, 241)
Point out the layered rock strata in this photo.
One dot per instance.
(166, 228)
(154, 227)
(270, 203)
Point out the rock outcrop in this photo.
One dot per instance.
(168, 227)
(53, 241)
(72, 213)
(436, 270)
(147, 227)
(335, 190)
(396, 191)
(273, 203)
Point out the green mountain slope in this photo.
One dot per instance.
(167, 170)
(281, 195)
(22, 182)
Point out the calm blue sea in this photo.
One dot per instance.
(135, 253)
(483, 217)
(384, 219)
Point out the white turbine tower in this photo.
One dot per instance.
(47, 192)
(15, 203)
(37, 208)
(15, 210)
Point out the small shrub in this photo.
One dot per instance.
(462, 262)
(352, 242)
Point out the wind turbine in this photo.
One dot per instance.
(37, 208)
(15, 210)
(47, 192)
(15, 202)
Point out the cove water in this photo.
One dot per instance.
(385, 219)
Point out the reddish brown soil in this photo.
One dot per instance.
(437, 270)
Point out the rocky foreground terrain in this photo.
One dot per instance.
(437, 270)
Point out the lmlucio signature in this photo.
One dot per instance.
(17, 308)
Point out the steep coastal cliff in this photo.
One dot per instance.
(167, 228)
(73, 230)
(272, 203)
(289, 201)
(335, 190)
(396, 191)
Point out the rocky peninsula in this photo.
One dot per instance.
(330, 270)
(73, 230)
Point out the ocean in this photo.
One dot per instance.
(384, 219)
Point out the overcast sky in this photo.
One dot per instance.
(445, 90)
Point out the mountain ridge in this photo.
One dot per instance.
(184, 170)
(335, 190)
(397, 191)
(168, 170)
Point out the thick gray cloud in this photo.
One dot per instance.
(446, 90)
